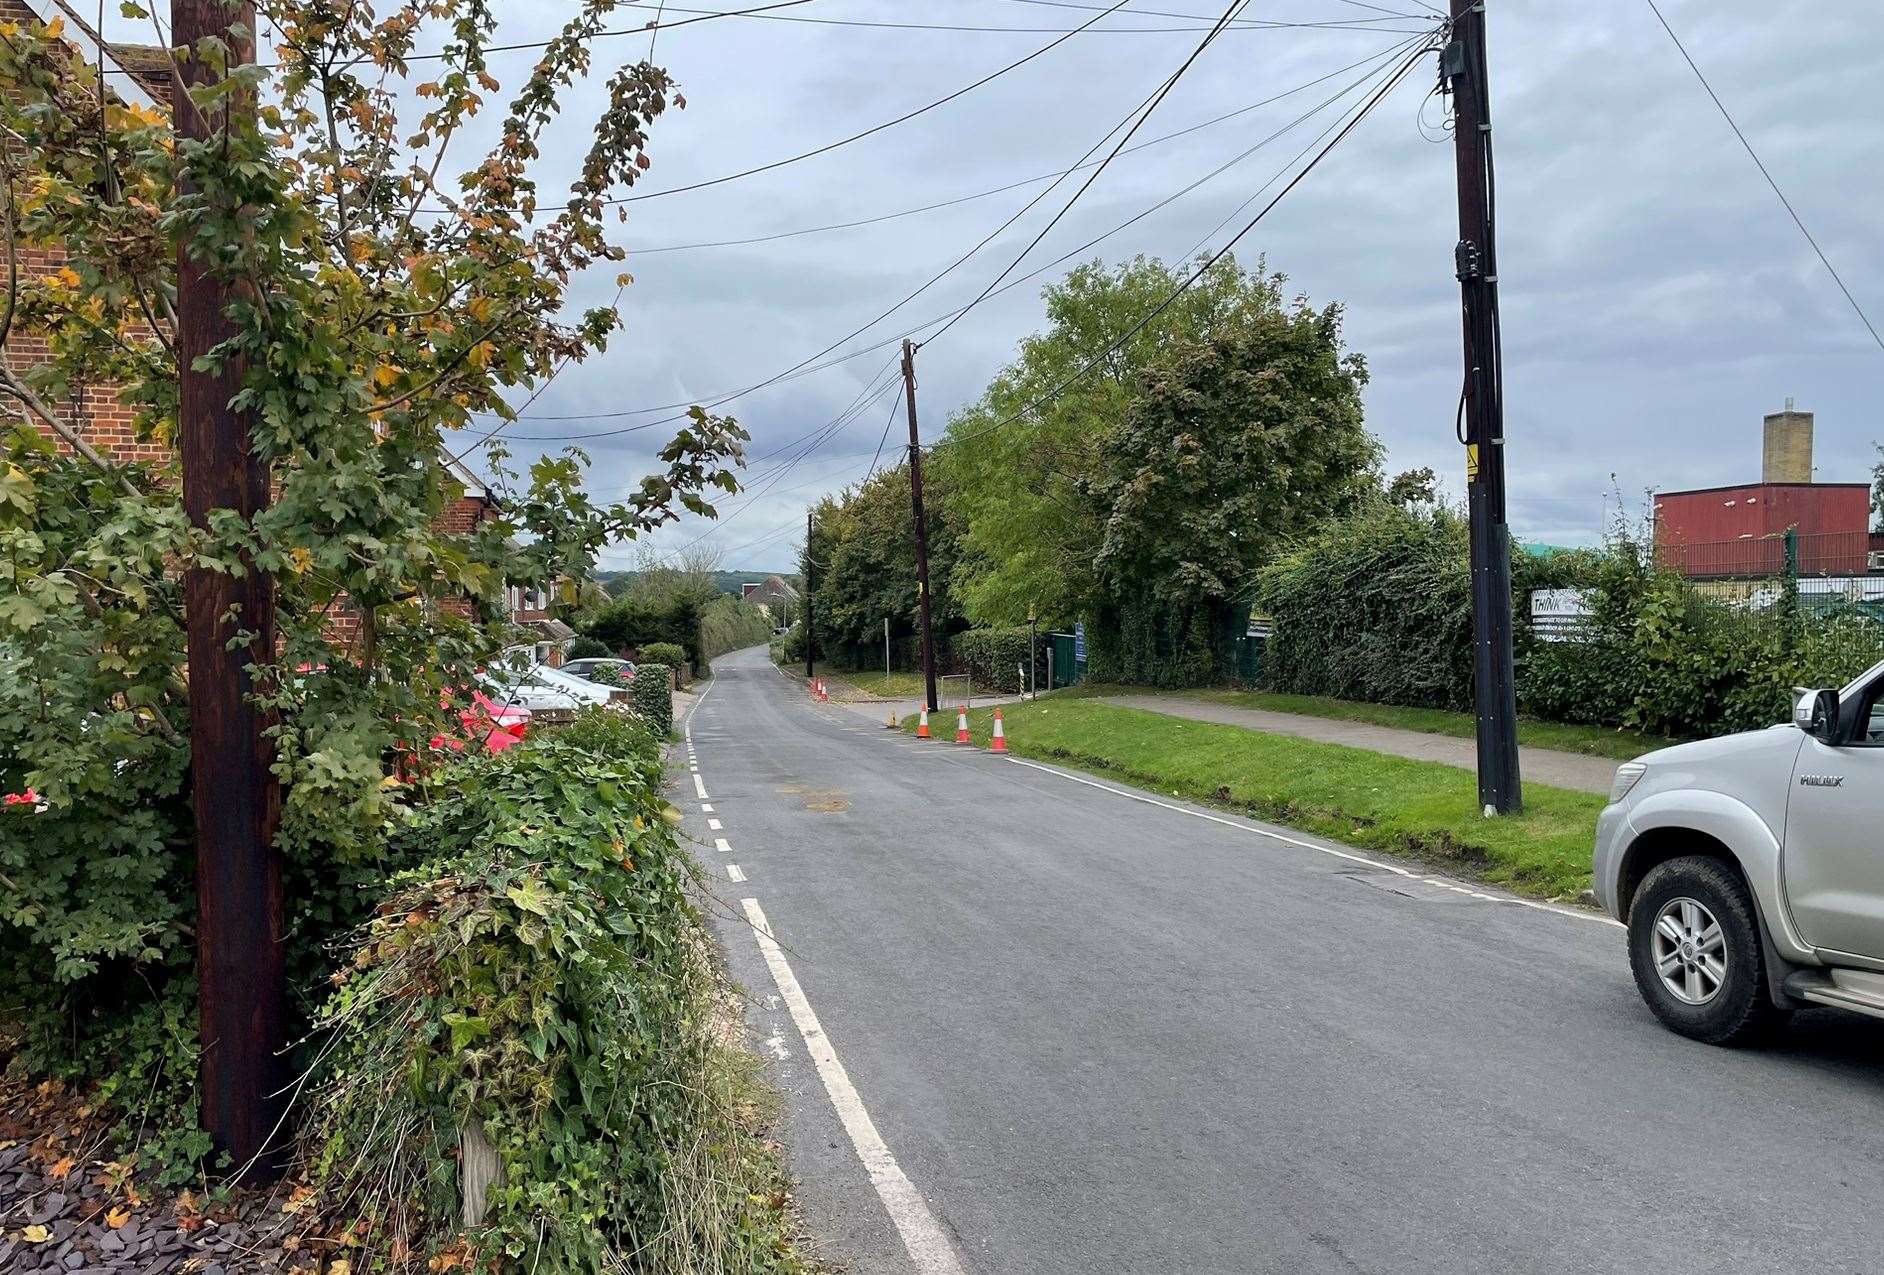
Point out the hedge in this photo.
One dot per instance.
(546, 978)
(995, 657)
(653, 696)
(669, 653)
(1377, 607)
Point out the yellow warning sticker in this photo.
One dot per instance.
(1471, 461)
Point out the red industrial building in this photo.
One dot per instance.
(1741, 530)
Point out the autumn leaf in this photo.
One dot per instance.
(385, 375)
(60, 1169)
(117, 1217)
(35, 1234)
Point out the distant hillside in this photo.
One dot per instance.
(724, 581)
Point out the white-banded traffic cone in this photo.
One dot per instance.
(1000, 736)
(961, 726)
(922, 723)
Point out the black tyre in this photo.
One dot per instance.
(1694, 944)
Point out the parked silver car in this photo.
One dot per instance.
(1750, 869)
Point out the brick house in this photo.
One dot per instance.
(140, 75)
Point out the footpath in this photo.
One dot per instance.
(1543, 765)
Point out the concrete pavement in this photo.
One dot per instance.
(1079, 1029)
(1544, 765)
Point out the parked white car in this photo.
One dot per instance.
(1750, 869)
(542, 689)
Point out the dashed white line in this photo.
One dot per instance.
(732, 871)
(1310, 845)
(922, 1235)
(721, 844)
(705, 808)
(699, 786)
(713, 824)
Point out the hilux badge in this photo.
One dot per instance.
(1822, 781)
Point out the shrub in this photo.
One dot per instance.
(588, 648)
(667, 653)
(545, 977)
(996, 657)
(610, 675)
(653, 697)
(731, 624)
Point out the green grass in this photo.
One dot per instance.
(1415, 808)
(1593, 741)
(882, 685)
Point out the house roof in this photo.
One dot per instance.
(145, 77)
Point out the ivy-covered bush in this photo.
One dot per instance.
(730, 624)
(653, 696)
(545, 977)
(995, 657)
(668, 653)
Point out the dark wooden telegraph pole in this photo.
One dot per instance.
(233, 791)
(922, 524)
(1476, 260)
(811, 632)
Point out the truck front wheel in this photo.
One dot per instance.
(1694, 944)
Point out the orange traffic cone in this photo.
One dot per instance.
(961, 726)
(1000, 736)
(922, 723)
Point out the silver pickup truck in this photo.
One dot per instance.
(1750, 869)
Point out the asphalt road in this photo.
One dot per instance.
(1095, 1034)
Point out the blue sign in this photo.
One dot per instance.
(1079, 642)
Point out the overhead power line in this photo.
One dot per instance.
(806, 364)
(1760, 164)
(720, 398)
(1190, 281)
(957, 200)
(1235, 7)
(1196, 23)
(872, 131)
(1022, 279)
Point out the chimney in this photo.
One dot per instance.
(1786, 451)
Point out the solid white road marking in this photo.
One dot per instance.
(699, 786)
(1310, 845)
(721, 844)
(713, 824)
(732, 871)
(705, 808)
(922, 1235)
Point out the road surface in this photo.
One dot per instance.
(1027, 1022)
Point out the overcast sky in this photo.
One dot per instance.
(1657, 299)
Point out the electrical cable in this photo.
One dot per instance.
(882, 440)
(1761, 165)
(1014, 283)
(1235, 7)
(1014, 185)
(1212, 260)
(719, 399)
(828, 147)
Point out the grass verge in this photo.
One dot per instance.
(1419, 809)
(1593, 741)
(882, 685)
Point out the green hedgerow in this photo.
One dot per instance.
(668, 653)
(546, 977)
(653, 696)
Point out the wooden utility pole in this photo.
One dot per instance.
(233, 791)
(1476, 260)
(922, 525)
(811, 632)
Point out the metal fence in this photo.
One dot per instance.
(1825, 554)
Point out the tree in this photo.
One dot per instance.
(1231, 442)
(1022, 481)
(385, 303)
(863, 553)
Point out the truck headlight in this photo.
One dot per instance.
(1628, 775)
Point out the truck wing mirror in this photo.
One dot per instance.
(1816, 713)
